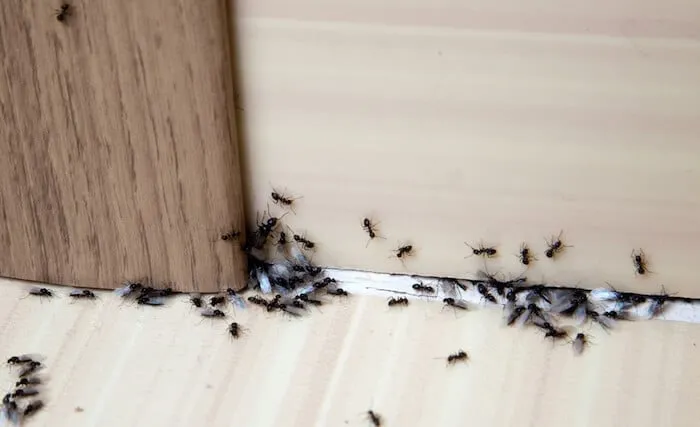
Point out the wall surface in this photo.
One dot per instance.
(500, 121)
(123, 365)
(118, 158)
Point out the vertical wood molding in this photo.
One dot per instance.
(119, 156)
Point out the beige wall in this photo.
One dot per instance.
(503, 121)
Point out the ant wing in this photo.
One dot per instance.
(264, 282)
(298, 256)
(123, 291)
(561, 301)
(580, 314)
(604, 294)
(236, 300)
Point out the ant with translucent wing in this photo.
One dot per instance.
(280, 198)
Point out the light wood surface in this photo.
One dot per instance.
(461, 121)
(119, 157)
(125, 365)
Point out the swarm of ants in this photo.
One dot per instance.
(26, 389)
(289, 283)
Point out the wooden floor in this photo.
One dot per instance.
(142, 366)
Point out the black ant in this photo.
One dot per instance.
(281, 199)
(196, 300)
(580, 343)
(640, 261)
(217, 300)
(339, 292)
(258, 301)
(30, 368)
(41, 292)
(25, 392)
(525, 255)
(308, 300)
(460, 356)
(305, 243)
(149, 300)
(19, 360)
(371, 229)
(323, 283)
(63, 12)
(231, 235)
(234, 329)
(374, 418)
(420, 287)
(515, 314)
(33, 408)
(210, 312)
(28, 381)
(481, 250)
(397, 301)
(455, 303)
(552, 332)
(282, 240)
(483, 290)
(555, 246)
(404, 251)
(84, 293)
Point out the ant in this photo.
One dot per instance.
(640, 261)
(28, 381)
(552, 332)
(25, 392)
(85, 293)
(481, 250)
(33, 408)
(282, 240)
(339, 292)
(371, 229)
(196, 300)
(41, 292)
(19, 360)
(30, 369)
(483, 290)
(149, 300)
(305, 243)
(63, 12)
(525, 255)
(515, 315)
(397, 301)
(214, 301)
(258, 301)
(209, 312)
(234, 329)
(375, 418)
(128, 289)
(231, 235)
(580, 342)
(404, 251)
(282, 199)
(460, 356)
(308, 300)
(455, 303)
(555, 246)
(420, 287)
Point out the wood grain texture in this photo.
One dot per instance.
(460, 121)
(119, 157)
(125, 365)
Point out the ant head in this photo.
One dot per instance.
(366, 222)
